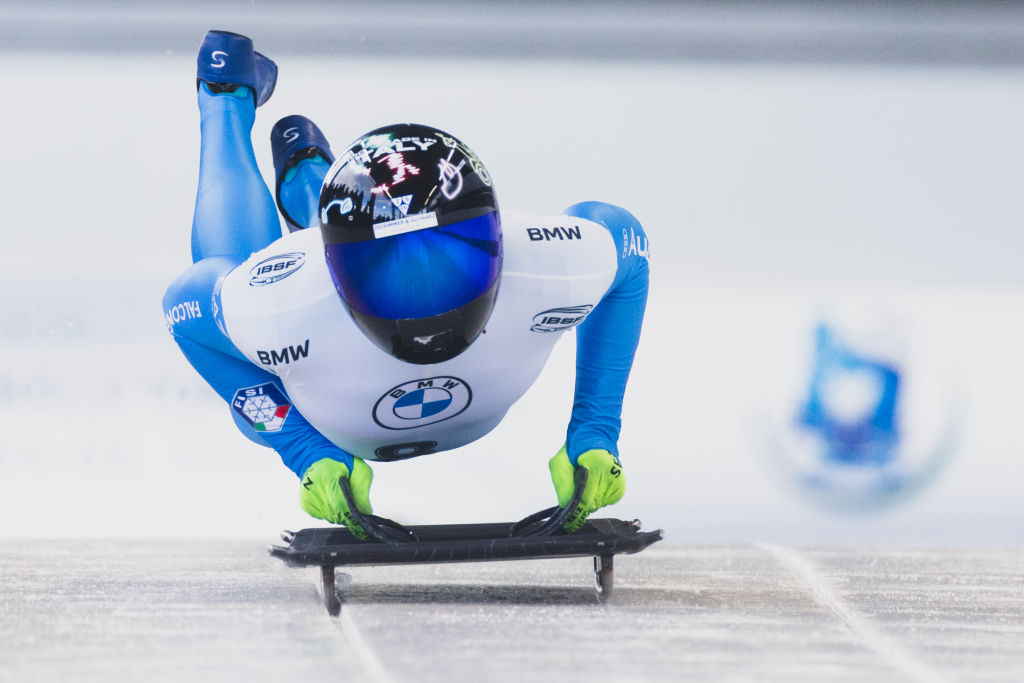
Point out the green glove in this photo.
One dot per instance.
(321, 496)
(605, 483)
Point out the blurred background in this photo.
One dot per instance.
(832, 349)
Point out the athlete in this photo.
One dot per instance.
(402, 314)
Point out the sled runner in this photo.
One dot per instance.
(539, 536)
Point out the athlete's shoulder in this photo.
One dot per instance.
(283, 275)
(632, 247)
(557, 246)
(623, 226)
(200, 303)
(282, 300)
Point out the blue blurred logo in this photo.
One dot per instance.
(851, 402)
(869, 416)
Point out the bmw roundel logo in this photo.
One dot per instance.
(422, 402)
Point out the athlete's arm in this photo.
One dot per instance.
(259, 404)
(607, 340)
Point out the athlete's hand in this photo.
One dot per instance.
(321, 496)
(605, 483)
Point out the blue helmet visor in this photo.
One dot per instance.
(419, 274)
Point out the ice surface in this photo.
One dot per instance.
(209, 611)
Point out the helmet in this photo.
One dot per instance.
(413, 240)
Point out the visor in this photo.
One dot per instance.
(422, 296)
(418, 274)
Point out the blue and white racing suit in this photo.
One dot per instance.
(258, 317)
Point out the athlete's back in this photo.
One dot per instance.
(291, 322)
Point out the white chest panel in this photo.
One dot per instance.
(282, 311)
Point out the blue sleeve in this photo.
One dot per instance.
(607, 340)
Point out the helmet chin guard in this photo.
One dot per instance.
(412, 237)
(434, 339)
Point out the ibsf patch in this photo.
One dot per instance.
(558, 319)
(265, 407)
(422, 402)
(275, 268)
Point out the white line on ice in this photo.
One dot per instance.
(375, 671)
(889, 649)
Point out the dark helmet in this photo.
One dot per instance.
(413, 239)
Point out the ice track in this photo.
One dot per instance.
(207, 611)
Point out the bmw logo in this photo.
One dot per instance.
(422, 402)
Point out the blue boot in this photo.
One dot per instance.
(227, 60)
(302, 157)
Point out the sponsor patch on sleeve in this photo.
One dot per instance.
(275, 268)
(558, 319)
(265, 407)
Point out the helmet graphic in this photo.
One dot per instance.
(413, 240)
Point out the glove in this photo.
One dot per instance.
(321, 496)
(605, 483)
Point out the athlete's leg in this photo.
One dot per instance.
(302, 157)
(234, 214)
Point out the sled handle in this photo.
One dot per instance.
(381, 528)
(555, 516)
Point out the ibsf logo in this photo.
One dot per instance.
(422, 402)
(275, 268)
(558, 319)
